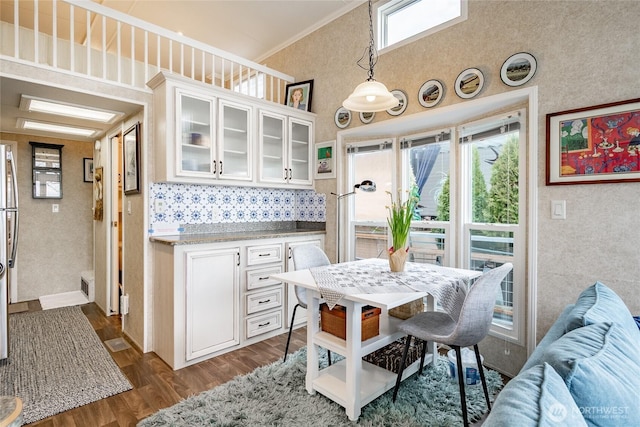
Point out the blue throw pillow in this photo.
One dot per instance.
(600, 365)
(598, 303)
(536, 397)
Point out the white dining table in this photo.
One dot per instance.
(352, 382)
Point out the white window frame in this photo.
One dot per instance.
(459, 227)
(384, 8)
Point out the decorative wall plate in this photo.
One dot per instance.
(518, 69)
(342, 117)
(431, 93)
(367, 117)
(469, 83)
(402, 98)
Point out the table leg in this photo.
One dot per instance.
(313, 322)
(353, 358)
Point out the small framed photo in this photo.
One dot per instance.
(325, 160)
(367, 118)
(299, 95)
(469, 83)
(430, 93)
(595, 144)
(402, 102)
(88, 169)
(131, 157)
(518, 69)
(342, 117)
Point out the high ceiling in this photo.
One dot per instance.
(250, 29)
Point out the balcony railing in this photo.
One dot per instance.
(85, 38)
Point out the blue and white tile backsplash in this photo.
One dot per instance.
(207, 204)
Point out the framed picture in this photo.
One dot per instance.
(98, 209)
(469, 83)
(88, 169)
(299, 95)
(325, 160)
(594, 144)
(402, 102)
(367, 118)
(518, 69)
(342, 117)
(430, 93)
(131, 155)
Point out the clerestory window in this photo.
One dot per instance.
(403, 21)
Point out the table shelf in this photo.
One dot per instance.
(374, 381)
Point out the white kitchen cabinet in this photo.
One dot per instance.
(195, 143)
(235, 141)
(212, 292)
(196, 301)
(301, 314)
(211, 298)
(208, 135)
(285, 149)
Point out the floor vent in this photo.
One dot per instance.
(87, 285)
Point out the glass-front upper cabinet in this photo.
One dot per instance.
(196, 146)
(234, 141)
(273, 148)
(300, 140)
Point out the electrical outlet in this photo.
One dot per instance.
(55, 208)
(124, 304)
(159, 205)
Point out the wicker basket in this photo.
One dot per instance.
(410, 309)
(334, 321)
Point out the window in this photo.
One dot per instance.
(373, 160)
(253, 86)
(472, 207)
(406, 20)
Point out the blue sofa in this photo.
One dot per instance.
(584, 372)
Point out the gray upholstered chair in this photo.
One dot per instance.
(471, 326)
(305, 256)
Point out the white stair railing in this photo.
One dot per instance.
(85, 38)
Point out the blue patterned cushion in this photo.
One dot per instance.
(600, 365)
(598, 303)
(536, 397)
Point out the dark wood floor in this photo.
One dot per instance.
(155, 384)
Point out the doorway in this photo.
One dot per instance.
(115, 235)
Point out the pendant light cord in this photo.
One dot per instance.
(373, 53)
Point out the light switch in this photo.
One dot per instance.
(55, 208)
(558, 209)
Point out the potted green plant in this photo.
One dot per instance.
(399, 220)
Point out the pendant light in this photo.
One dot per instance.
(371, 95)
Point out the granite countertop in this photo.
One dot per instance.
(199, 238)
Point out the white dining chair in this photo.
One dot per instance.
(305, 256)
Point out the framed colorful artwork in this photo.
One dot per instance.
(595, 144)
(325, 160)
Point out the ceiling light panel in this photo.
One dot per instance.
(39, 105)
(56, 128)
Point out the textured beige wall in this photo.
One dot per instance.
(586, 56)
(53, 248)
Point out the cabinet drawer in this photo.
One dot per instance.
(264, 323)
(264, 300)
(264, 254)
(259, 278)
